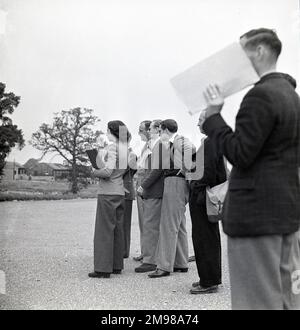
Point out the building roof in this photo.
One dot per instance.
(31, 163)
(12, 165)
(55, 166)
(59, 167)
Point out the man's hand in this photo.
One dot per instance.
(95, 172)
(140, 190)
(102, 141)
(214, 99)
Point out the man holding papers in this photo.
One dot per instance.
(262, 208)
(230, 68)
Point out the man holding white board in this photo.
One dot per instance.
(230, 68)
(262, 209)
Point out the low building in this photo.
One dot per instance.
(14, 171)
(58, 171)
(30, 164)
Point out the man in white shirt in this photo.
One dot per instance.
(172, 249)
(141, 171)
(151, 190)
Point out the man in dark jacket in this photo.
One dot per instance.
(261, 212)
(206, 235)
(151, 189)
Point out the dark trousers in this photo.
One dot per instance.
(127, 227)
(206, 241)
(109, 234)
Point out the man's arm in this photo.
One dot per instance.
(254, 123)
(151, 178)
(156, 165)
(183, 154)
(110, 164)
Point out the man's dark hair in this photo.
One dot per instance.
(147, 124)
(169, 124)
(116, 127)
(263, 36)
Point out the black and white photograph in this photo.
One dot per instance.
(149, 157)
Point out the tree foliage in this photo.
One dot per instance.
(10, 135)
(70, 134)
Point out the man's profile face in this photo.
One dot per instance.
(201, 121)
(143, 132)
(251, 53)
(164, 135)
(109, 136)
(154, 131)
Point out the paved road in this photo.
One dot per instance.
(46, 253)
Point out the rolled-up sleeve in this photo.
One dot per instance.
(183, 155)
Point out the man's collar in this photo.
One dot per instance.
(268, 72)
(145, 147)
(272, 75)
(173, 138)
(152, 142)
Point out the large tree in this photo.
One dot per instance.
(70, 134)
(10, 135)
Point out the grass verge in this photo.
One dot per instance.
(36, 191)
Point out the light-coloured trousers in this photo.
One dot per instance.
(140, 208)
(152, 213)
(172, 249)
(262, 270)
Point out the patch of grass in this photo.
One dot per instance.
(38, 190)
(8, 197)
(34, 186)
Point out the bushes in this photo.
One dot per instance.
(34, 190)
(19, 196)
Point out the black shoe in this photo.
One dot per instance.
(144, 268)
(117, 271)
(201, 290)
(180, 270)
(192, 258)
(99, 275)
(126, 256)
(159, 273)
(195, 284)
(139, 258)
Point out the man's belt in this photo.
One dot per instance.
(175, 174)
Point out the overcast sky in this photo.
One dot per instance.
(117, 57)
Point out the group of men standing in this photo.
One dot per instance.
(164, 187)
(262, 206)
(162, 197)
(261, 214)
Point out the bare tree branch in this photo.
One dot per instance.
(68, 135)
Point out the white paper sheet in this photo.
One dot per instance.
(230, 68)
(3, 15)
